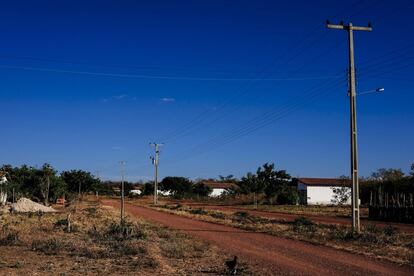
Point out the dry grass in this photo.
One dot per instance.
(334, 211)
(98, 245)
(383, 243)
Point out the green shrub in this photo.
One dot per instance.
(50, 246)
(198, 211)
(218, 215)
(372, 228)
(343, 234)
(288, 196)
(390, 230)
(118, 231)
(302, 224)
(12, 238)
(241, 214)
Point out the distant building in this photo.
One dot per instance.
(219, 188)
(135, 192)
(319, 191)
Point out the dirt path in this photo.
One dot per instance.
(406, 228)
(271, 255)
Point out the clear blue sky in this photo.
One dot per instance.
(227, 85)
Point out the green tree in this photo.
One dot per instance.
(178, 186)
(251, 184)
(227, 179)
(148, 188)
(341, 194)
(388, 174)
(80, 181)
(201, 189)
(288, 195)
(272, 180)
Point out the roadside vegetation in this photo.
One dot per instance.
(384, 243)
(92, 241)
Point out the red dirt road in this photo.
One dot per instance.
(406, 228)
(271, 255)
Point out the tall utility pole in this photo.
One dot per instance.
(352, 96)
(122, 191)
(155, 161)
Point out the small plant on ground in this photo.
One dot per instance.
(198, 211)
(302, 224)
(11, 238)
(50, 246)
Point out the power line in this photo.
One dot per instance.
(196, 122)
(160, 77)
(256, 123)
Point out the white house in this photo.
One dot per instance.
(319, 191)
(219, 188)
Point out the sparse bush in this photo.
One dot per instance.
(117, 231)
(50, 246)
(343, 234)
(180, 247)
(176, 207)
(372, 228)
(198, 211)
(91, 211)
(390, 230)
(369, 237)
(302, 224)
(12, 238)
(218, 215)
(241, 214)
(125, 248)
(64, 225)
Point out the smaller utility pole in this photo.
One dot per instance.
(48, 189)
(80, 185)
(155, 161)
(122, 192)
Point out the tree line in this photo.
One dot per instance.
(274, 186)
(45, 184)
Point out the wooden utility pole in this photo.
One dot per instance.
(352, 95)
(155, 161)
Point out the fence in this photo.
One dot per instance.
(397, 207)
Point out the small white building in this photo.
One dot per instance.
(219, 188)
(319, 191)
(135, 192)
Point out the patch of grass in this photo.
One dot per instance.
(180, 247)
(372, 228)
(303, 225)
(91, 211)
(127, 248)
(241, 214)
(390, 230)
(198, 211)
(11, 238)
(49, 247)
(118, 231)
(176, 207)
(217, 215)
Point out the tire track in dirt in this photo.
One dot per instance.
(270, 255)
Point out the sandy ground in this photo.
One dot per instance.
(271, 255)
